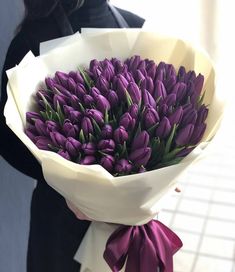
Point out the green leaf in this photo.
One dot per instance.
(81, 106)
(171, 155)
(169, 141)
(172, 162)
(44, 115)
(200, 99)
(46, 103)
(124, 152)
(106, 117)
(91, 138)
(53, 148)
(60, 113)
(129, 99)
(96, 127)
(82, 137)
(86, 78)
(151, 130)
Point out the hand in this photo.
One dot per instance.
(77, 212)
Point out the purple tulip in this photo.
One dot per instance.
(62, 78)
(184, 135)
(89, 148)
(75, 117)
(134, 92)
(170, 100)
(87, 126)
(59, 99)
(149, 85)
(190, 76)
(51, 126)
(58, 139)
(127, 121)
(67, 109)
(176, 116)
(50, 83)
(159, 90)
(106, 146)
(96, 115)
(69, 129)
(189, 118)
(150, 117)
(32, 116)
(123, 166)
(121, 85)
(134, 110)
(64, 154)
(76, 76)
(94, 92)
(102, 84)
(102, 103)
(31, 135)
(59, 89)
(163, 109)
(134, 62)
(199, 81)
(73, 146)
(41, 127)
(88, 100)
(164, 128)
(202, 115)
(151, 69)
(113, 98)
(139, 77)
(120, 135)
(88, 160)
(180, 90)
(107, 132)
(140, 157)
(72, 85)
(43, 142)
(107, 162)
(198, 134)
(141, 140)
(181, 74)
(80, 91)
(45, 94)
(74, 101)
(148, 100)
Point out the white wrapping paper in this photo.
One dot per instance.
(131, 200)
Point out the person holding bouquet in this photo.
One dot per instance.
(55, 232)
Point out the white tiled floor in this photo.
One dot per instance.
(203, 214)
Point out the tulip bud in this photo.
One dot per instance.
(75, 117)
(32, 116)
(198, 134)
(41, 127)
(163, 110)
(150, 117)
(89, 148)
(151, 69)
(190, 76)
(107, 132)
(159, 90)
(64, 154)
(107, 162)
(170, 100)
(72, 85)
(67, 109)
(80, 91)
(148, 100)
(139, 76)
(102, 103)
(134, 62)
(76, 76)
(94, 92)
(73, 146)
(180, 90)
(88, 100)
(45, 94)
(120, 135)
(134, 110)
(176, 116)
(69, 129)
(140, 157)
(189, 118)
(164, 128)
(113, 98)
(121, 86)
(184, 152)
(202, 115)
(87, 126)
(141, 140)
(43, 142)
(96, 115)
(106, 146)
(102, 84)
(62, 79)
(74, 101)
(134, 92)
(181, 74)
(199, 84)
(31, 134)
(127, 121)
(123, 166)
(59, 89)
(87, 160)
(59, 98)
(184, 135)
(149, 86)
(51, 126)
(50, 83)
(58, 139)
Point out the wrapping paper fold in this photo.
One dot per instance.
(134, 199)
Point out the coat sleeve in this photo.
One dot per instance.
(11, 148)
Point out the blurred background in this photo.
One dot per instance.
(203, 214)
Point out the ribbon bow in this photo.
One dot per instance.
(146, 248)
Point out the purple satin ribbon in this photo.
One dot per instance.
(142, 248)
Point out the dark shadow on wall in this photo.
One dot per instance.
(15, 188)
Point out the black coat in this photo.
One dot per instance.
(55, 233)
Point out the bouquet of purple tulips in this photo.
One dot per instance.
(114, 135)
